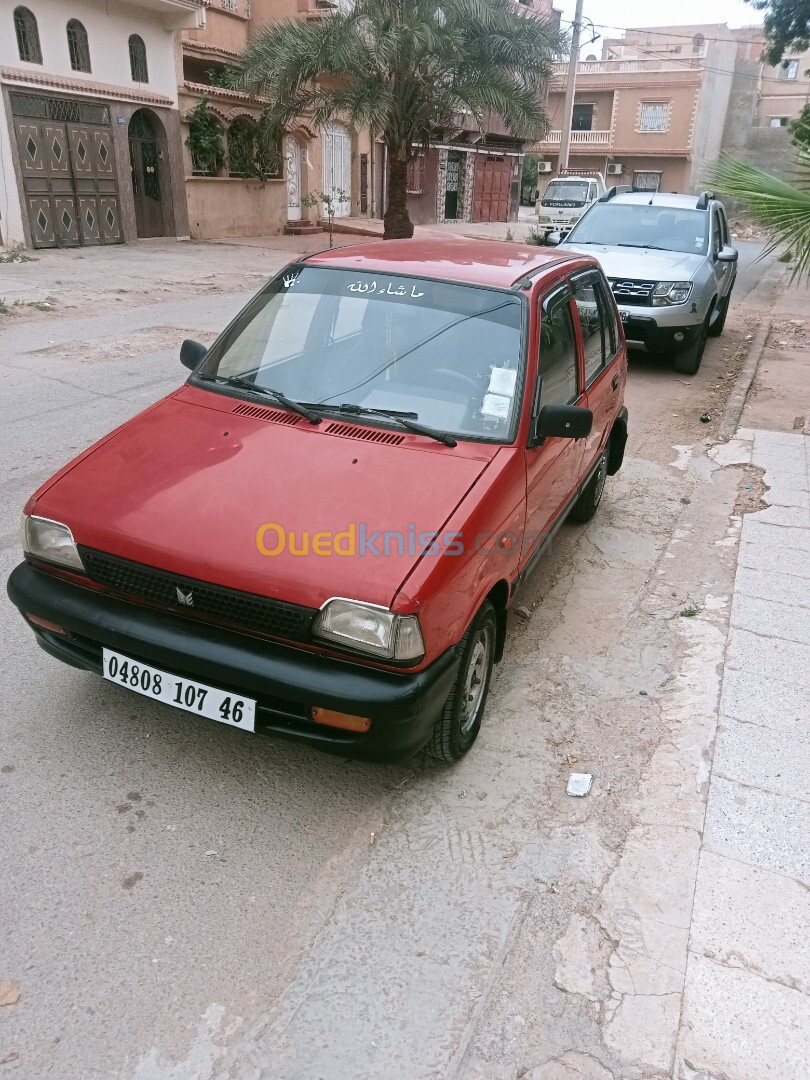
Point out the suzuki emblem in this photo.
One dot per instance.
(184, 598)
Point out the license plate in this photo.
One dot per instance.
(183, 694)
(625, 316)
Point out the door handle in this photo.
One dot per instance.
(615, 382)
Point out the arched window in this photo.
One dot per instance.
(698, 41)
(25, 26)
(78, 46)
(137, 59)
(242, 148)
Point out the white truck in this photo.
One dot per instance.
(566, 199)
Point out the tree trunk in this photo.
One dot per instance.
(396, 221)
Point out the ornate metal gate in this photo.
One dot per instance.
(67, 160)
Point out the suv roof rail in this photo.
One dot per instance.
(611, 193)
(703, 201)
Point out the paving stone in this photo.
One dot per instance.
(740, 1026)
(758, 827)
(772, 619)
(782, 588)
(785, 661)
(761, 758)
(756, 699)
(775, 537)
(780, 560)
(792, 516)
(736, 921)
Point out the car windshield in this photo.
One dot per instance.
(448, 356)
(572, 194)
(641, 225)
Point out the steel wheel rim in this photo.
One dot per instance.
(472, 694)
(600, 483)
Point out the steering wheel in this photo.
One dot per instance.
(469, 382)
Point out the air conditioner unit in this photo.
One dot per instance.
(544, 166)
(615, 170)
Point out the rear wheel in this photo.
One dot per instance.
(588, 503)
(458, 726)
(688, 360)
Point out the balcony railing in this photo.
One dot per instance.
(233, 7)
(578, 138)
(622, 67)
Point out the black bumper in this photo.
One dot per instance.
(285, 681)
(664, 339)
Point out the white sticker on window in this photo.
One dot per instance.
(496, 405)
(502, 381)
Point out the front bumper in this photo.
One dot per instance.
(285, 681)
(648, 333)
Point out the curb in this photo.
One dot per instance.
(736, 402)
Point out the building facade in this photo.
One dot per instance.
(89, 126)
(650, 113)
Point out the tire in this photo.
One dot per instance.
(458, 726)
(717, 329)
(588, 503)
(688, 360)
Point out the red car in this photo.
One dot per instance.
(320, 533)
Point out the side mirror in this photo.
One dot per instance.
(553, 239)
(563, 422)
(728, 254)
(191, 353)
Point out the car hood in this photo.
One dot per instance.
(186, 486)
(642, 263)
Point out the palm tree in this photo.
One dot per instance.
(404, 68)
(783, 209)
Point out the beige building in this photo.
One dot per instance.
(90, 148)
(650, 112)
(225, 197)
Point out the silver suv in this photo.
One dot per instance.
(669, 263)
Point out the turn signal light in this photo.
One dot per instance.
(340, 720)
(45, 624)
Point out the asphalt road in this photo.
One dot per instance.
(184, 902)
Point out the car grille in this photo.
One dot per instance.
(633, 292)
(210, 602)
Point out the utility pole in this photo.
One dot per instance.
(570, 89)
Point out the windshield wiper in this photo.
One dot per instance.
(652, 247)
(403, 418)
(277, 395)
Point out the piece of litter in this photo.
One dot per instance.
(706, 418)
(748, 487)
(571, 759)
(579, 784)
(462, 794)
(9, 993)
(524, 612)
(210, 853)
(644, 692)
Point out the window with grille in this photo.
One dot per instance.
(137, 59)
(646, 181)
(789, 70)
(653, 116)
(78, 46)
(25, 26)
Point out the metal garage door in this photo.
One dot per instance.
(70, 188)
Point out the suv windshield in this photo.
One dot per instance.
(641, 225)
(565, 193)
(447, 355)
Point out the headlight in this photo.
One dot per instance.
(370, 629)
(51, 541)
(671, 292)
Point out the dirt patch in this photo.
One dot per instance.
(751, 495)
(141, 342)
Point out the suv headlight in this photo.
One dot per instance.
(671, 292)
(370, 629)
(50, 541)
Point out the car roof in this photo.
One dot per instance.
(660, 198)
(495, 263)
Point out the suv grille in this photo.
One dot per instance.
(633, 292)
(222, 605)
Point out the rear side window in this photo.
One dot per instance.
(558, 352)
(596, 318)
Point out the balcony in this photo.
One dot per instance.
(626, 67)
(578, 139)
(240, 8)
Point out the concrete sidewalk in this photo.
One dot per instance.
(746, 1009)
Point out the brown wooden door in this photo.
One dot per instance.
(67, 166)
(491, 193)
(143, 159)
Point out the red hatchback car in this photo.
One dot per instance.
(320, 533)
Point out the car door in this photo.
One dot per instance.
(601, 349)
(553, 465)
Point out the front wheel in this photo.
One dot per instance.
(458, 726)
(688, 360)
(716, 329)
